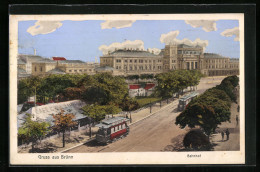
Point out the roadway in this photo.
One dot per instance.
(150, 134)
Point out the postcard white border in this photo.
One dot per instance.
(211, 157)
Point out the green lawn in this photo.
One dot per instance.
(142, 101)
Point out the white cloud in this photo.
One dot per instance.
(170, 38)
(207, 25)
(154, 50)
(44, 27)
(117, 45)
(109, 24)
(231, 32)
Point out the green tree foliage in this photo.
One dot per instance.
(106, 89)
(211, 108)
(129, 104)
(146, 76)
(28, 87)
(132, 77)
(175, 81)
(72, 93)
(228, 84)
(32, 131)
(53, 85)
(63, 122)
(99, 112)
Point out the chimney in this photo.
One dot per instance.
(34, 51)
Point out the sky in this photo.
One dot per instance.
(85, 40)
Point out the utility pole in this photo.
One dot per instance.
(35, 97)
(150, 107)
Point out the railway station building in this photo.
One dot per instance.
(172, 57)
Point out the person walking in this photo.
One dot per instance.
(237, 119)
(227, 133)
(222, 134)
(238, 108)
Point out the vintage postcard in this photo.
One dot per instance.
(127, 89)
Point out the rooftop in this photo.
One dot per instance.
(56, 71)
(105, 68)
(71, 61)
(21, 61)
(213, 55)
(234, 59)
(58, 58)
(187, 46)
(132, 53)
(45, 60)
(106, 123)
(30, 57)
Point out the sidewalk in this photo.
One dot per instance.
(233, 144)
(76, 138)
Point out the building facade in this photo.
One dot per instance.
(172, 57)
(36, 65)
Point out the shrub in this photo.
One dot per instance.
(196, 139)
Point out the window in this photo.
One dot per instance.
(41, 69)
(188, 65)
(130, 61)
(35, 69)
(90, 70)
(80, 70)
(145, 61)
(70, 71)
(75, 70)
(192, 65)
(135, 61)
(196, 65)
(116, 67)
(125, 61)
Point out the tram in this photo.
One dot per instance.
(184, 101)
(112, 129)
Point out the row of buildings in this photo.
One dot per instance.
(133, 62)
(36, 65)
(172, 57)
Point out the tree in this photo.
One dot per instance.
(168, 84)
(63, 122)
(199, 115)
(129, 104)
(72, 93)
(32, 131)
(98, 112)
(106, 89)
(53, 85)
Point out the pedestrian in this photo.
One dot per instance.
(237, 119)
(222, 134)
(238, 107)
(227, 133)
